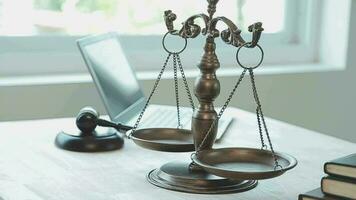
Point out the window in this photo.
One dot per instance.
(38, 36)
(80, 17)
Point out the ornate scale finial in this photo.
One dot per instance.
(212, 7)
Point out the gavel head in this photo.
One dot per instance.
(87, 119)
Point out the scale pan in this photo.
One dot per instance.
(164, 139)
(243, 163)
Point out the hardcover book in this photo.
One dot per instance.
(316, 194)
(345, 167)
(339, 187)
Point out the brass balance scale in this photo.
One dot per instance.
(210, 171)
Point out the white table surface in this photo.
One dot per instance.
(32, 168)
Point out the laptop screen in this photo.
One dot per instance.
(111, 72)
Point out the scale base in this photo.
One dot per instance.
(178, 176)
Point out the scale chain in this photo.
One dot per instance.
(263, 145)
(222, 109)
(150, 96)
(260, 115)
(185, 82)
(176, 88)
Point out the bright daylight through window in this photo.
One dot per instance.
(144, 17)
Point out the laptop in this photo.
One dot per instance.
(120, 91)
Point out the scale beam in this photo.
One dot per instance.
(207, 86)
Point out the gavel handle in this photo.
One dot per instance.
(119, 127)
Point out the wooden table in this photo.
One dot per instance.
(32, 168)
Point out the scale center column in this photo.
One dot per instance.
(207, 88)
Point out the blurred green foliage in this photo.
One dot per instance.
(107, 6)
(87, 6)
(55, 5)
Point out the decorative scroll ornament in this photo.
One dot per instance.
(231, 35)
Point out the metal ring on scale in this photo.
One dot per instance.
(173, 52)
(246, 45)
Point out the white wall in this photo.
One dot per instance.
(322, 101)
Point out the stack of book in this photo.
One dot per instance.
(340, 182)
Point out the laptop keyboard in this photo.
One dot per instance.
(166, 117)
